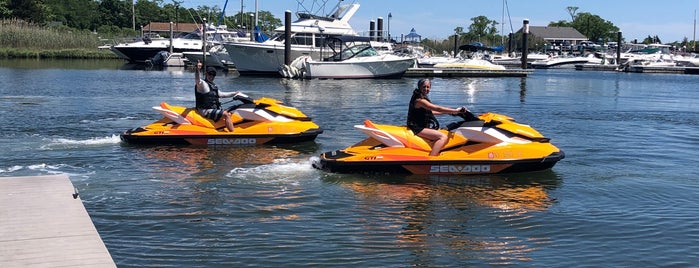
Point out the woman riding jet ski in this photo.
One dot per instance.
(260, 121)
(487, 144)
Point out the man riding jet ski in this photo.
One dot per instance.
(487, 144)
(259, 121)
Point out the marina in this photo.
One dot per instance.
(623, 196)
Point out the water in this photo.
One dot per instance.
(624, 196)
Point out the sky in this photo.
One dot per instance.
(670, 20)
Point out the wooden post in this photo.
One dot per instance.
(203, 43)
(456, 44)
(287, 37)
(618, 48)
(525, 45)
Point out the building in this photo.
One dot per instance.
(163, 28)
(557, 38)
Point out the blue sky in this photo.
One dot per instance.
(671, 20)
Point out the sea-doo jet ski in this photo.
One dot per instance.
(259, 121)
(487, 144)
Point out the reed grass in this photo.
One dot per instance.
(20, 39)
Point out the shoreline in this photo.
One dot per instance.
(75, 53)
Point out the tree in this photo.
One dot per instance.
(595, 28)
(267, 21)
(30, 10)
(481, 29)
(571, 11)
(115, 13)
(150, 11)
(5, 12)
(78, 14)
(561, 23)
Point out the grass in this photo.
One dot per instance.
(20, 39)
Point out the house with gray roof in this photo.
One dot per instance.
(558, 37)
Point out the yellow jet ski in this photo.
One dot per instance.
(488, 144)
(260, 121)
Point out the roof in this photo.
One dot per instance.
(556, 33)
(413, 33)
(165, 27)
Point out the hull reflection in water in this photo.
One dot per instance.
(213, 163)
(457, 213)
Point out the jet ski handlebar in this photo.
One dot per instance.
(243, 98)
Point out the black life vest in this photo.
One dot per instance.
(419, 118)
(208, 100)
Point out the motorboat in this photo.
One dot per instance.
(145, 49)
(469, 64)
(487, 144)
(353, 57)
(267, 57)
(563, 61)
(217, 56)
(261, 121)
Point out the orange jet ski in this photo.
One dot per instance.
(488, 144)
(260, 121)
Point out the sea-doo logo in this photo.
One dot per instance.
(460, 169)
(231, 141)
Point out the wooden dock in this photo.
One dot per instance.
(43, 225)
(639, 69)
(461, 72)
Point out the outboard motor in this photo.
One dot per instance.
(160, 58)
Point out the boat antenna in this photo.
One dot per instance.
(223, 13)
(320, 9)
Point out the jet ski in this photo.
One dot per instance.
(260, 121)
(487, 144)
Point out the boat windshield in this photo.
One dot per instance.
(360, 50)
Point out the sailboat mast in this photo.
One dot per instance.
(502, 24)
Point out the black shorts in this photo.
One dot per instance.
(213, 114)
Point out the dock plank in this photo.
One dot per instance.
(42, 225)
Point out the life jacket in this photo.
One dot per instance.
(208, 100)
(420, 117)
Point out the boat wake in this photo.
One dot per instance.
(64, 143)
(280, 169)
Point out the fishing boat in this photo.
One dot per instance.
(353, 57)
(267, 57)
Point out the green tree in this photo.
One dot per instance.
(572, 11)
(481, 29)
(5, 12)
(115, 13)
(30, 10)
(150, 11)
(267, 21)
(594, 27)
(77, 14)
(560, 23)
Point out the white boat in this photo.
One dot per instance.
(565, 61)
(145, 49)
(217, 56)
(306, 32)
(354, 57)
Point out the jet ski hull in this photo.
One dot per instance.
(488, 144)
(132, 136)
(334, 162)
(262, 121)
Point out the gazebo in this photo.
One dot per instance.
(413, 37)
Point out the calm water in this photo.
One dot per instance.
(625, 195)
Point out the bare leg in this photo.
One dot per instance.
(227, 119)
(438, 137)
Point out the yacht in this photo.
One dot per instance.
(145, 49)
(307, 35)
(353, 57)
